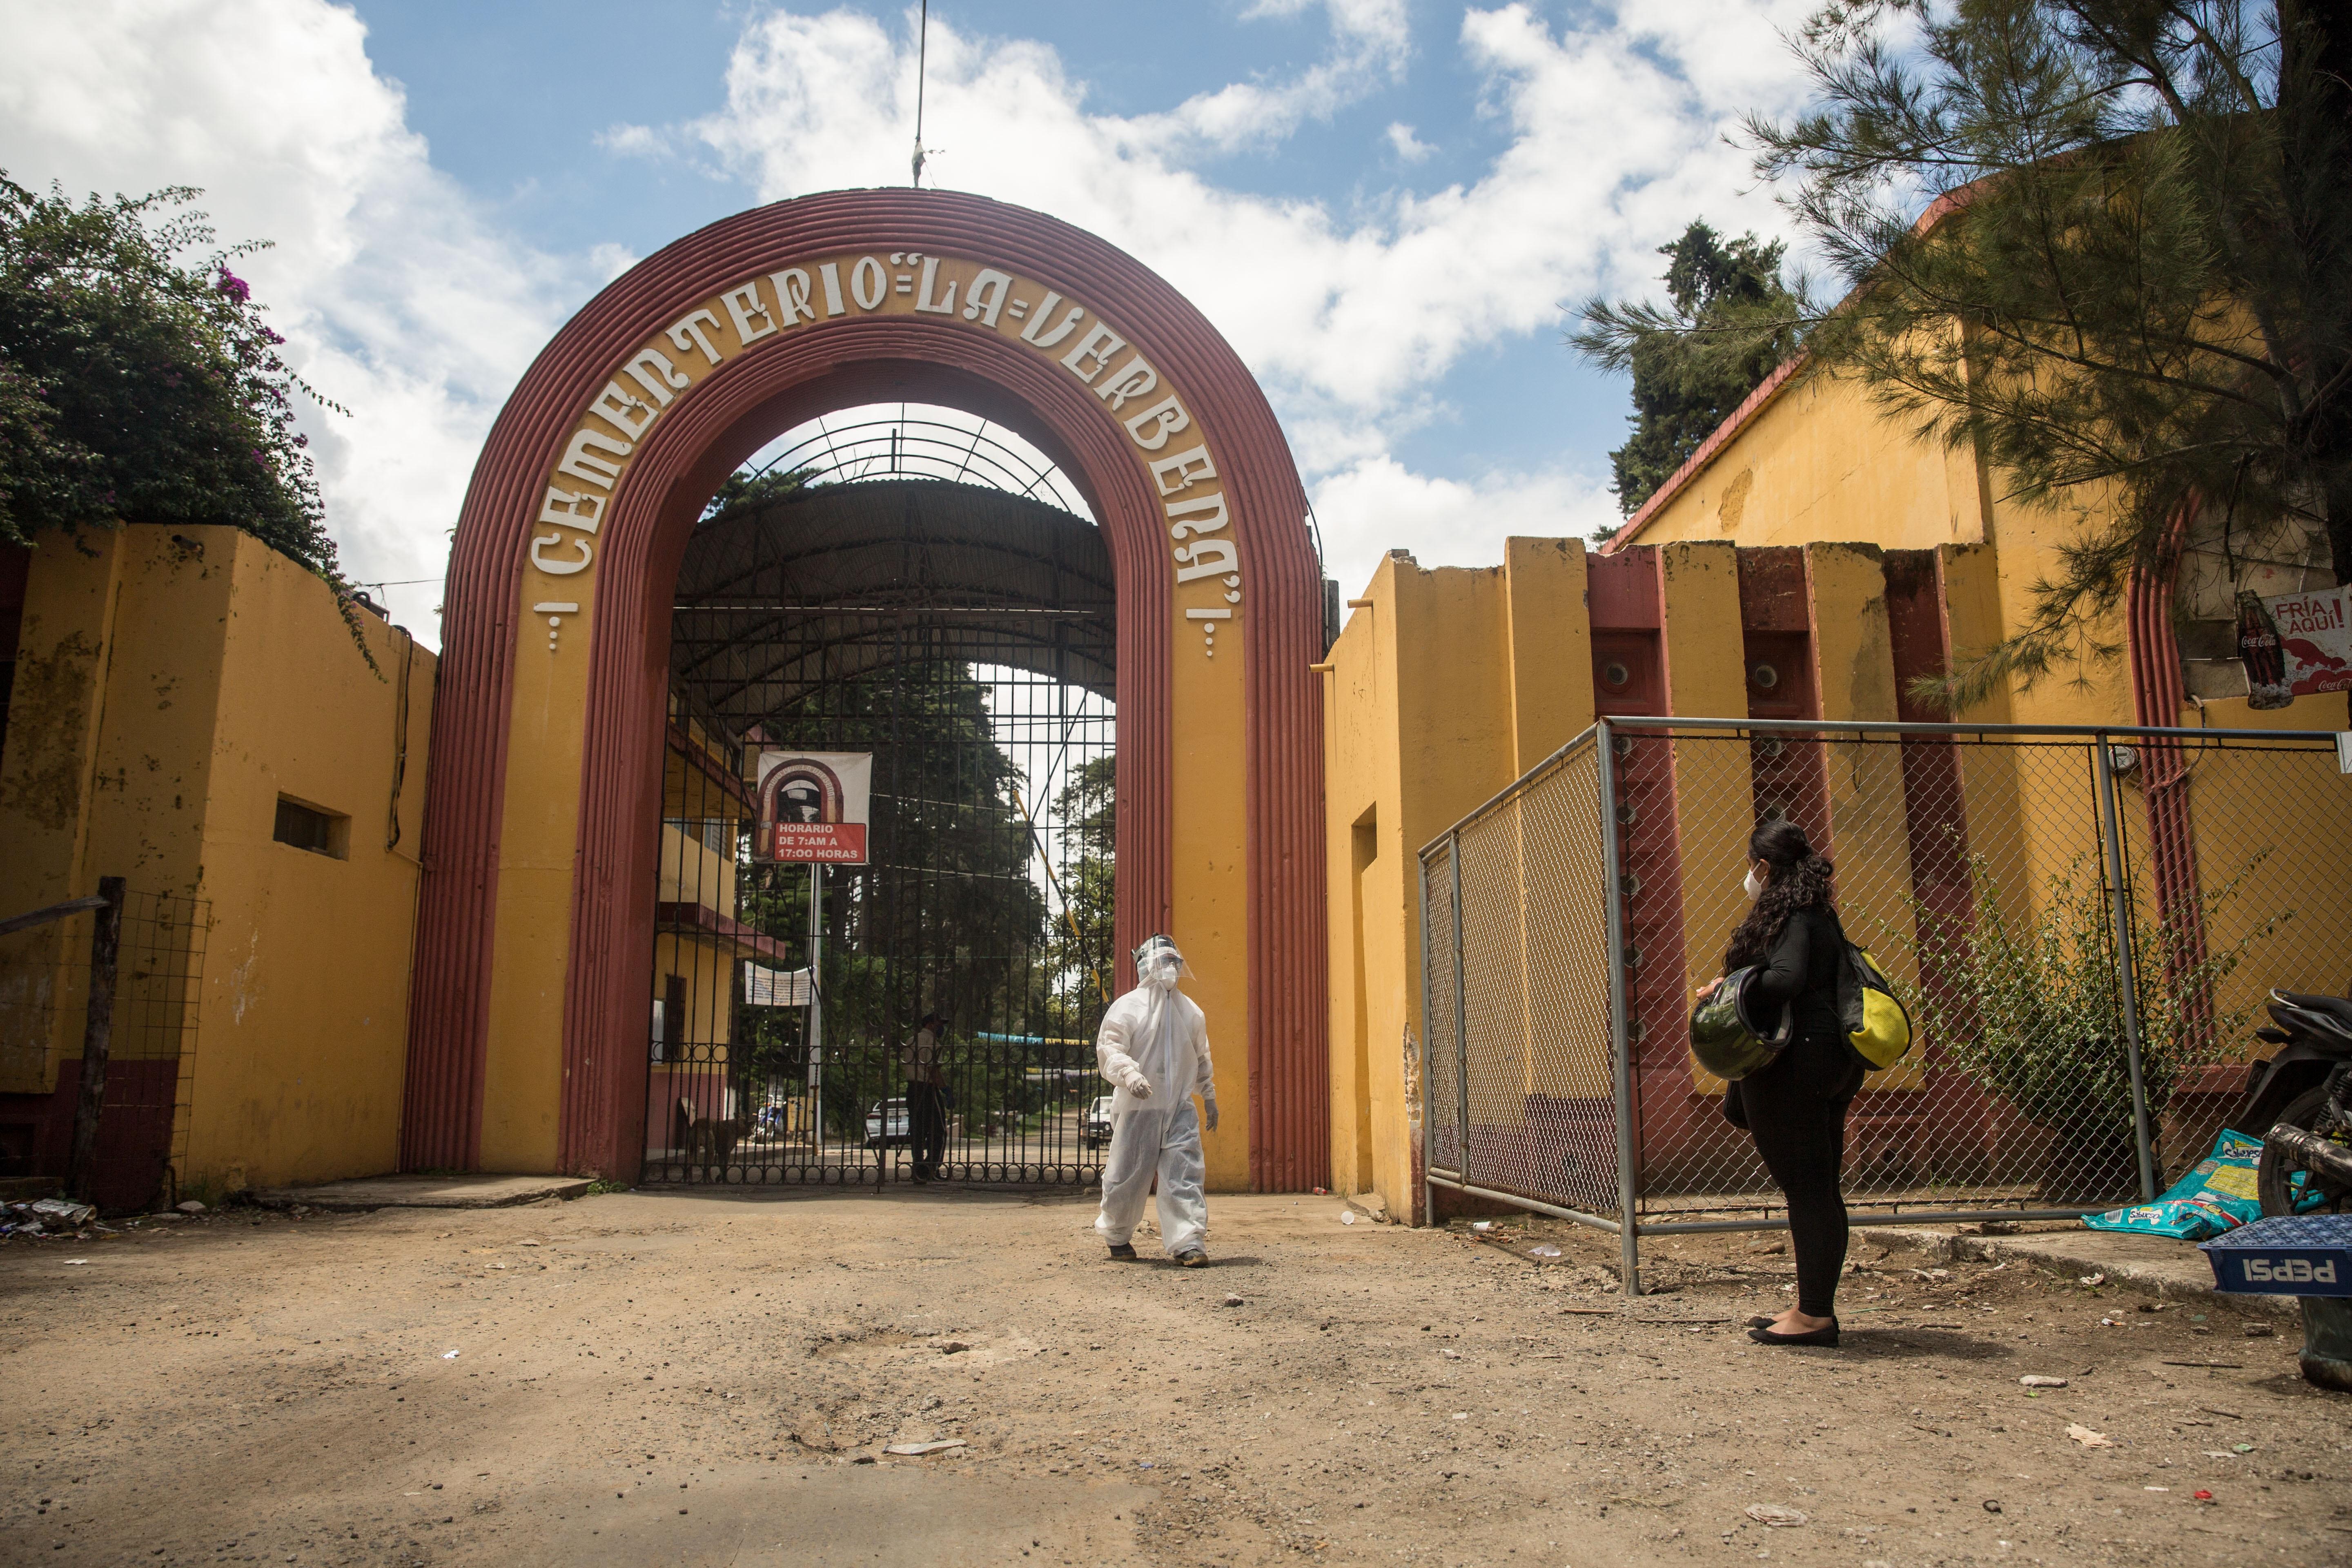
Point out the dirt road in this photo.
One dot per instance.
(678, 1378)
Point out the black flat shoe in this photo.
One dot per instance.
(1123, 1253)
(1828, 1336)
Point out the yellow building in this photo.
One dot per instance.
(189, 712)
(1810, 562)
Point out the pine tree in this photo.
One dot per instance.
(2105, 244)
(1721, 295)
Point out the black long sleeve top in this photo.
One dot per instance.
(1802, 971)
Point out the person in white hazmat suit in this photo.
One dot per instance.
(1154, 1046)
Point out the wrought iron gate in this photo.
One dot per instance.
(964, 637)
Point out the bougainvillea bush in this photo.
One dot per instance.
(139, 381)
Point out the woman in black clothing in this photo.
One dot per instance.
(1795, 1107)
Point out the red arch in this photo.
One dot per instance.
(741, 404)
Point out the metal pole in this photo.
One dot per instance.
(1428, 1190)
(97, 1037)
(1461, 1026)
(816, 1007)
(2111, 821)
(1621, 1037)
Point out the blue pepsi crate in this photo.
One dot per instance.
(2287, 1255)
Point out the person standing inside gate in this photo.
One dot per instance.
(1795, 1106)
(927, 1114)
(1154, 1048)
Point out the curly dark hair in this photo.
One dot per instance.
(1800, 880)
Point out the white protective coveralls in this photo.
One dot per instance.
(1154, 1046)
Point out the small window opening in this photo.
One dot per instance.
(307, 828)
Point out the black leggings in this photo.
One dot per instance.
(1801, 1136)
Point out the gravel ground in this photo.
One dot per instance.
(676, 1377)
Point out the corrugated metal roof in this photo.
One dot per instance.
(838, 580)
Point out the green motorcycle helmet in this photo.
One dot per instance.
(1736, 1030)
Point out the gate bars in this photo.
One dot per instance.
(2082, 922)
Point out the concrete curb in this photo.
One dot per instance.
(359, 1196)
(2148, 1264)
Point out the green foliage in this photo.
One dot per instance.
(767, 488)
(947, 910)
(2106, 245)
(2031, 1008)
(135, 387)
(1727, 328)
(1082, 951)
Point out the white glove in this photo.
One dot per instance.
(1210, 1105)
(1138, 1085)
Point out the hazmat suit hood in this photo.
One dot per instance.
(1158, 964)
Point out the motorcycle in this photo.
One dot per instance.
(2300, 1105)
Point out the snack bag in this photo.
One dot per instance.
(2217, 1197)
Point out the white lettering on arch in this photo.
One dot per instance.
(743, 303)
(868, 297)
(1133, 379)
(581, 464)
(1165, 418)
(806, 293)
(984, 298)
(792, 287)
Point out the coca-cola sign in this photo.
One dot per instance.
(2314, 646)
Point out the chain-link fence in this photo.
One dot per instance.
(142, 1061)
(2081, 924)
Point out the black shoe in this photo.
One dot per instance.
(1122, 1252)
(1828, 1336)
(1196, 1258)
(922, 1178)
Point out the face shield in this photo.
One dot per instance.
(1157, 962)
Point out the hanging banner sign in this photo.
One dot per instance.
(2314, 646)
(765, 987)
(813, 807)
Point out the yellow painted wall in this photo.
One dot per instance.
(47, 779)
(230, 678)
(1818, 462)
(1440, 682)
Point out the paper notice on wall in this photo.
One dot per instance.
(813, 807)
(764, 987)
(2313, 643)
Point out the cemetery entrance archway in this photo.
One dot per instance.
(530, 1017)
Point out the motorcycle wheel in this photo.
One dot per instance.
(2272, 1177)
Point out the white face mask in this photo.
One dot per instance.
(1165, 973)
(1751, 887)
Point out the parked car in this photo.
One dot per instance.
(1094, 1128)
(885, 1124)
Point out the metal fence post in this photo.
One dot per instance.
(2111, 829)
(97, 1036)
(1428, 1147)
(1461, 1026)
(1621, 1037)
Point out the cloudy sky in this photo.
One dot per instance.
(1383, 203)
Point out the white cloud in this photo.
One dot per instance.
(404, 300)
(1370, 44)
(1377, 504)
(1406, 145)
(1614, 138)
(397, 297)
